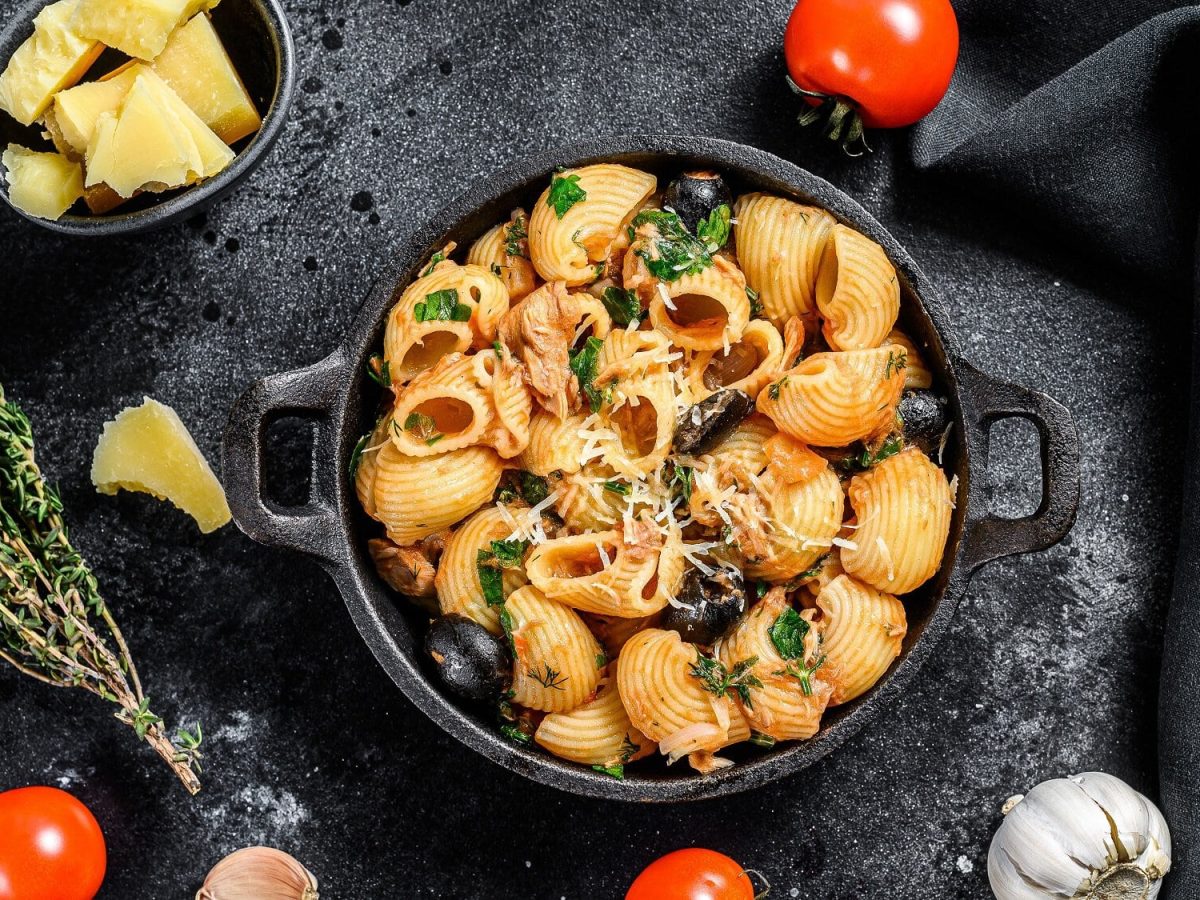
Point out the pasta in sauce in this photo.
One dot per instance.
(610, 407)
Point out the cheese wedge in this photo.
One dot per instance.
(138, 28)
(54, 57)
(45, 185)
(148, 449)
(71, 119)
(196, 65)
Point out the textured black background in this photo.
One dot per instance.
(1051, 665)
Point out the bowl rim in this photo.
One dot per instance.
(372, 616)
(189, 201)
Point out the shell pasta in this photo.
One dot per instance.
(643, 460)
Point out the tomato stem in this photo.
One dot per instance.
(840, 118)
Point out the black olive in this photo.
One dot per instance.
(704, 425)
(925, 418)
(694, 195)
(472, 662)
(714, 604)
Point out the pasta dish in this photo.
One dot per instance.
(660, 466)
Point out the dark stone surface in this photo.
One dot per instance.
(1051, 666)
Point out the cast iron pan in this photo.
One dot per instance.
(337, 395)
(257, 37)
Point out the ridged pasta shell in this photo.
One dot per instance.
(491, 252)
(708, 310)
(409, 510)
(364, 476)
(614, 631)
(903, 507)
(779, 247)
(802, 521)
(585, 505)
(555, 445)
(569, 248)
(457, 579)
(410, 347)
(858, 293)
(749, 365)
(917, 374)
(636, 581)
(863, 632)
(555, 667)
(663, 698)
(834, 399)
(780, 708)
(642, 416)
(597, 733)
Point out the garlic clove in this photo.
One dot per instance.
(259, 873)
(1139, 829)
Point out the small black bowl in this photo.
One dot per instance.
(257, 36)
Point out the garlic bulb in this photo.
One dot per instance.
(258, 873)
(1090, 837)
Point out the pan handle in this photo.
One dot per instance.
(988, 537)
(310, 393)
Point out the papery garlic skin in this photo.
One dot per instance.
(259, 873)
(1090, 837)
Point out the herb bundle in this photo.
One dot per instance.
(54, 625)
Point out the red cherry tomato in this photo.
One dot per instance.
(51, 847)
(692, 874)
(892, 58)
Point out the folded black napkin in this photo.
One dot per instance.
(1080, 118)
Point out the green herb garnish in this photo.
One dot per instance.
(516, 232)
(442, 306)
(714, 231)
(777, 386)
(506, 623)
(433, 262)
(584, 363)
(422, 427)
(718, 680)
(682, 479)
(868, 458)
(617, 771)
(490, 563)
(758, 739)
(601, 660)
(895, 361)
(515, 734)
(356, 455)
(534, 488)
(756, 307)
(551, 678)
(802, 673)
(788, 634)
(623, 306)
(565, 192)
(379, 370)
(673, 251)
(618, 487)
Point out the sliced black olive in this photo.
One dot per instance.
(694, 195)
(714, 603)
(472, 662)
(704, 425)
(925, 418)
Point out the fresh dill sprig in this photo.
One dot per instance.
(54, 624)
(551, 678)
(718, 680)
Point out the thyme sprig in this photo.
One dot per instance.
(716, 679)
(54, 625)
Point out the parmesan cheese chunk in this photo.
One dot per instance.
(42, 184)
(54, 57)
(138, 28)
(148, 449)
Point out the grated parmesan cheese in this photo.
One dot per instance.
(887, 557)
(845, 544)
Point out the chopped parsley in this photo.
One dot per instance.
(442, 306)
(897, 362)
(617, 771)
(788, 634)
(498, 348)
(758, 739)
(517, 727)
(716, 679)
(714, 231)
(584, 363)
(565, 192)
(868, 457)
(682, 479)
(623, 306)
(760, 589)
(379, 370)
(618, 487)
(811, 572)
(515, 734)
(533, 488)
(506, 623)
(490, 563)
(422, 427)
(551, 679)
(673, 251)
(514, 234)
(756, 307)
(433, 263)
(356, 454)
(601, 660)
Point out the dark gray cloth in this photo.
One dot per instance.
(1093, 144)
